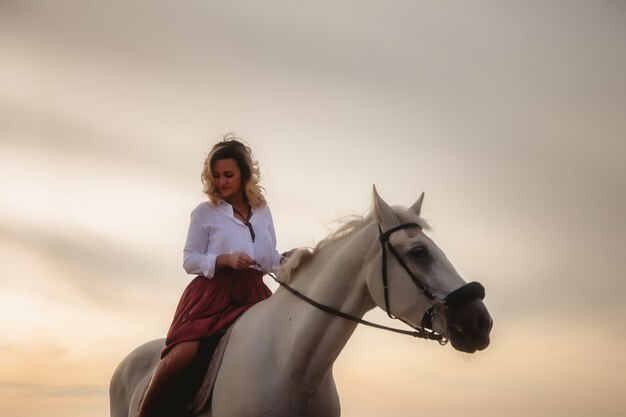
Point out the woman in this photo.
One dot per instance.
(228, 236)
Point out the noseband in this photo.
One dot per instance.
(455, 299)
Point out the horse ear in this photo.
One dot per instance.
(383, 213)
(417, 206)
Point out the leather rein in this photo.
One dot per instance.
(454, 299)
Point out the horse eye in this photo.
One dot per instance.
(420, 253)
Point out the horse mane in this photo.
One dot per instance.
(298, 258)
(349, 225)
(303, 255)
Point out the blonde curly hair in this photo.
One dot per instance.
(231, 147)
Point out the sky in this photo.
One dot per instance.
(509, 115)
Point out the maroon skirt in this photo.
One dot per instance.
(210, 305)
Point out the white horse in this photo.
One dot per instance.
(280, 355)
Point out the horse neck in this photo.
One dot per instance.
(335, 277)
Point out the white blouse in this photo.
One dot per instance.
(214, 230)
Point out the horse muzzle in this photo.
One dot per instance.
(468, 326)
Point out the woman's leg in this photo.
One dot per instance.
(167, 377)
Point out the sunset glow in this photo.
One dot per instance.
(508, 115)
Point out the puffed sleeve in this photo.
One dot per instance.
(276, 256)
(196, 260)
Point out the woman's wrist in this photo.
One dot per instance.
(222, 261)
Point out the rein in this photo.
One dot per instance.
(454, 299)
(420, 333)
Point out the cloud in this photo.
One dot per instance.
(97, 267)
(67, 391)
(21, 399)
(62, 135)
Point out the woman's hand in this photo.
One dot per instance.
(285, 255)
(239, 260)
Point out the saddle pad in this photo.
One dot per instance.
(203, 398)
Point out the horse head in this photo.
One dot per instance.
(420, 286)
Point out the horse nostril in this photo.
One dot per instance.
(483, 323)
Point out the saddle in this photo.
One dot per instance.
(196, 392)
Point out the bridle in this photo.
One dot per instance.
(455, 299)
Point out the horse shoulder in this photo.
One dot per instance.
(256, 376)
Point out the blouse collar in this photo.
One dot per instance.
(226, 209)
